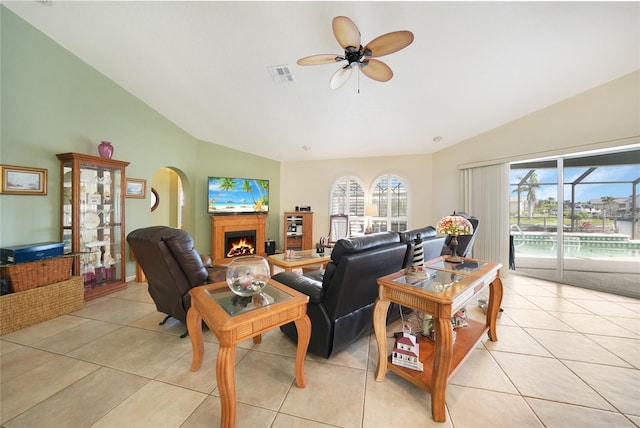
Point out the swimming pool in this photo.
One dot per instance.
(576, 245)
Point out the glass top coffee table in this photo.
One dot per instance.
(300, 259)
(233, 319)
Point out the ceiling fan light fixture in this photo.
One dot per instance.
(348, 36)
(340, 77)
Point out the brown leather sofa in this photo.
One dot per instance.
(172, 266)
(341, 297)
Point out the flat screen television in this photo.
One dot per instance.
(228, 195)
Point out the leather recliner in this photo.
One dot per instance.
(341, 305)
(341, 298)
(172, 266)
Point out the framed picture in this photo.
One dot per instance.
(136, 188)
(20, 180)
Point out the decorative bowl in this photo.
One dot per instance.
(248, 275)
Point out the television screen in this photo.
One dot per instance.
(237, 195)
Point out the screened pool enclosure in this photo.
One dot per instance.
(584, 231)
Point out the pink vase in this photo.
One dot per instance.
(105, 149)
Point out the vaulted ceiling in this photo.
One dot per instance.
(473, 66)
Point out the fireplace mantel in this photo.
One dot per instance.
(234, 223)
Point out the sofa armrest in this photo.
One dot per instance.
(303, 284)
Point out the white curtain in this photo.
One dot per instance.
(485, 194)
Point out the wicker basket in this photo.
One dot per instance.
(20, 310)
(25, 276)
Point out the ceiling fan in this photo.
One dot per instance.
(348, 36)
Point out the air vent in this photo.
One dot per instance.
(281, 74)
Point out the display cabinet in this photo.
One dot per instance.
(298, 231)
(92, 220)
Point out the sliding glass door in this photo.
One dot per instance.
(534, 218)
(584, 232)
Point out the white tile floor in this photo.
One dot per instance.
(567, 357)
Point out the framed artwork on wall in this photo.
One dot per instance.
(20, 180)
(136, 188)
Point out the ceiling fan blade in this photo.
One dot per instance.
(346, 32)
(340, 76)
(319, 59)
(389, 43)
(376, 70)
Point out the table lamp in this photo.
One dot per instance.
(370, 210)
(455, 226)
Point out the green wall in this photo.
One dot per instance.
(52, 102)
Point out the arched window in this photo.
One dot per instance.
(347, 197)
(389, 197)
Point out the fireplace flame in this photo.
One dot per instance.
(241, 248)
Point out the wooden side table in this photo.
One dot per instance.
(450, 287)
(234, 319)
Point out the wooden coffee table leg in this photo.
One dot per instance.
(495, 300)
(441, 367)
(380, 329)
(303, 325)
(226, 377)
(194, 327)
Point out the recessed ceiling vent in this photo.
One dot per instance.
(281, 74)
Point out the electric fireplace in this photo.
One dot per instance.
(240, 243)
(223, 224)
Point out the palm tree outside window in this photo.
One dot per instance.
(527, 186)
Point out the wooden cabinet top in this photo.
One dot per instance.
(69, 157)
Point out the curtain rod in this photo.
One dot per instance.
(626, 142)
